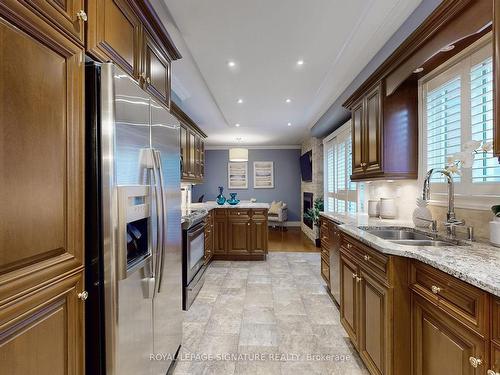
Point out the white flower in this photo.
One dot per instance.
(453, 169)
(487, 146)
(471, 146)
(467, 160)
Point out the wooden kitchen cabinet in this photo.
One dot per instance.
(192, 148)
(349, 297)
(240, 234)
(366, 128)
(68, 16)
(114, 33)
(209, 237)
(156, 69)
(43, 332)
(42, 226)
(443, 346)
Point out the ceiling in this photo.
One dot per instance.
(265, 40)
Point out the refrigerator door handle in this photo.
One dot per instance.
(160, 217)
(163, 215)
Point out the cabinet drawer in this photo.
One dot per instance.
(462, 301)
(369, 258)
(239, 213)
(325, 253)
(220, 212)
(495, 321)
(324, 233)
(259, 214)
(325, 270)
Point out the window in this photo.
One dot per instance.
(340, 193)
(457, 107)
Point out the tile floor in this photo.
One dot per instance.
(266, 318)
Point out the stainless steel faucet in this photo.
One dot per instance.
(451, 220)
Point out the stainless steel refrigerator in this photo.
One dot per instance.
(133, 228)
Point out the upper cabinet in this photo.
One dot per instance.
(130, 34)
(192, 148)
(385, 108)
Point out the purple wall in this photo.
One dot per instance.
(286, 178)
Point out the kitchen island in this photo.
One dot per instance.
(235, 232)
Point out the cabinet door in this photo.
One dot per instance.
(202, 159)
(192, 155)
(441, 345)
(357, 138)
(220, 235)
(374, 324)
(258, 236)
(238, 236)
(373, 131)
(114, 32)
(41, 157)
(349, 309)
(184, 152)
(64, 15)
(197, 157)
(156, 67)
(495, 359)
(43, 333)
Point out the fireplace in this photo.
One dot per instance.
(308, 203)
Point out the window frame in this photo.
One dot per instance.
(467, 194)
(342, 133)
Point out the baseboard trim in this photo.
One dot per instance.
(286, 224)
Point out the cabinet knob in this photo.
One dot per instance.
(349, 245)
(239, 213)
(148, 80)
(358, 279)
(475, 362)
(81, 15)
(83, 295)
(354, 276)
(491, 372)
(436, 290)
(248, 224)
(367, 257)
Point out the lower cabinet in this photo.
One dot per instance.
(443, 346)
(374, 323)
(209, 237)
(240, 234)
(349, 292)
(42, 333)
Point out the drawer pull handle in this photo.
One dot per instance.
(475, 362)
(367, 257)
(491, 372)
(436, 290)
(358, 279)
(239, 213)
(83, 295)
(81, 15)
(349, 245)
(324, 237)
(354, 276)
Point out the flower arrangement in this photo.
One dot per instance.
(465, 159)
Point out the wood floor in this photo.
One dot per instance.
(290, 240)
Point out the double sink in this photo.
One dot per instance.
(409, 237)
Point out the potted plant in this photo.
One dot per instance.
(312, 215)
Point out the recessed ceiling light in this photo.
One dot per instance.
(231, 64)
(289, 124)
(300, 62)
(237, 125)
(240, 101)
(418, 70)
(447, 48)
(288, 100)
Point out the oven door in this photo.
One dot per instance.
(195, 250)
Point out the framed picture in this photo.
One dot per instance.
(263, 175)
(237, 174)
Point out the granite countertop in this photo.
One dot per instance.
(476, 263)
(212, 204)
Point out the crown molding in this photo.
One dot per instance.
(277, 147)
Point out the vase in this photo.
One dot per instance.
(495, 231)
(421, 212)
(221, 199)
(232, 201)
